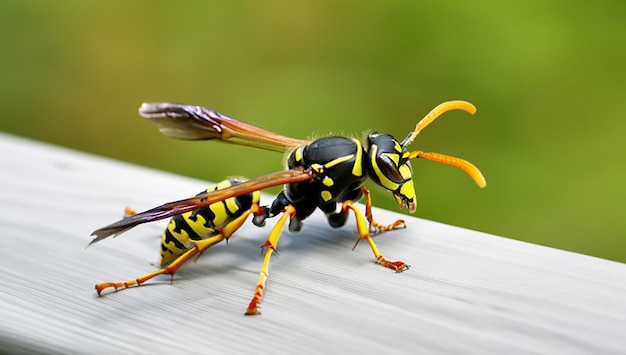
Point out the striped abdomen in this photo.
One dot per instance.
(203, 222)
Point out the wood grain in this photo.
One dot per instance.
(467, 292)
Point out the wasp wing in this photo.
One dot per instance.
(181, 206)
(199, 123)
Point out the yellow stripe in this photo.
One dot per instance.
(197, 226)
(219, 211)
(298, 153)
(398, 147)
(384, 181)
(357, 168)
(256, 197)
(405, 171)
(393, 156)
(231, 204)
(339, 160)
(220, 185)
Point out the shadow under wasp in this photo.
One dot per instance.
(328, 173)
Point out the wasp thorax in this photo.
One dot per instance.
(389, 167)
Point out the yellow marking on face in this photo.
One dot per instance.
(393, 156)
(326, 195)
(327, 181)
(398, 147)
(408, 191)
(405, 171)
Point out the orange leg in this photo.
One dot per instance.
(270, 247)
(376, 227)
(364, 233)
(199, 247)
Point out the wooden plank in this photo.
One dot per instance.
(467, 292)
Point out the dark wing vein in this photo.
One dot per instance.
(199, 123)
(185, 205)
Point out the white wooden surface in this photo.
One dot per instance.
(467, 292)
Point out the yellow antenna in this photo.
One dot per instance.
(436, 112)
(462, 164)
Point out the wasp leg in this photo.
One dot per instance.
(228, 229)
(364, 233)
(270, 247)
(199, 247)
(376, 227)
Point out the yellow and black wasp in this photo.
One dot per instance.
(328, 173)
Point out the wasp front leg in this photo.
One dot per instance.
(364, 233)
(374, 226)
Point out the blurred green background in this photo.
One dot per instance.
(548, 78)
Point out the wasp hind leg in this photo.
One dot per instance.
(198, 247)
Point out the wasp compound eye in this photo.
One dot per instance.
(389, 168)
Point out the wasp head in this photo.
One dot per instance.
(389, 166)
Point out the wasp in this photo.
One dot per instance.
(327, 173)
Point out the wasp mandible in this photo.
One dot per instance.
(328, 173)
